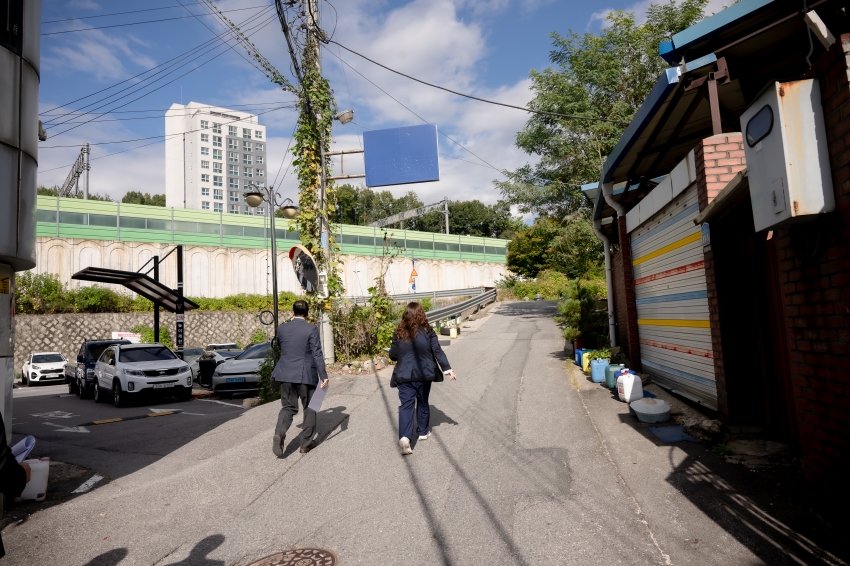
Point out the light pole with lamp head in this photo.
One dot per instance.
(254, 199)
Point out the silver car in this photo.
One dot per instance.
(242, 373)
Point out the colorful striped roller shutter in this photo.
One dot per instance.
(672, 303)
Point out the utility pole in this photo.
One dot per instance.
(184, 167)
(313, 43)
(446, 209)
(86, 187)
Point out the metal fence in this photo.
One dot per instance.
(416, 296)
(451, 311)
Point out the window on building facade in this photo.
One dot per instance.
(247, 209)
(246, 133)
(233, 157)
(258, 134)
(261, 211)
(260, 172)
(216, 128)
(246, 159)
(234, 196)
(205, 151)
(205, 164)
(205, 178)
(217, 154)
(218, 194)
(218, 207)
(233, 170)
(234, 209)
(216, 141)
(232, 144)
(246, 146)
(260, 147)
(247, 172)
(205, 124)
(205, 205)
(216, 167)
(205, 191)
(217, 181)
(205, 138)
(232, 183)
(259, 160)
(231, 131)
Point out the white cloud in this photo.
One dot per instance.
(96, 53)
(84, 4)
(639, 9)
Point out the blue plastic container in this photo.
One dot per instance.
(579, 352)
(597, 370)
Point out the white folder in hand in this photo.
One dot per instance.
(23, 448)
(318, 397)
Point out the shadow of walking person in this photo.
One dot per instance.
(438, 417)
(110, 558)
(198, 556)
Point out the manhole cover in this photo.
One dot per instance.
(299, 557)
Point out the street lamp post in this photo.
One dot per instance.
(255, 199)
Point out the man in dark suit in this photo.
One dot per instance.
(298, 370)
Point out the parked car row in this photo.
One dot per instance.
(119, 370)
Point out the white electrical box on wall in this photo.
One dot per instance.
(787, 155)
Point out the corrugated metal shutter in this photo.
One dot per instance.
(671, 300)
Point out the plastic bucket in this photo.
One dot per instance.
(585, 361)
(610, 377)
(37, 487)
(597, 370)
(579, 351)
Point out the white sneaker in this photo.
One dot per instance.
(404, 443)
(426, 436)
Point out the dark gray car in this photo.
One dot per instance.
(242, 373)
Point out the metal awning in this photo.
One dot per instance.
(734, 192)
(139, 283)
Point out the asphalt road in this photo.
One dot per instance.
(62, 426)
(526, 465)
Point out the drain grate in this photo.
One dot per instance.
(299, 557)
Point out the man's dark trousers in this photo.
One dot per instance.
(413, 394)
(290, 393)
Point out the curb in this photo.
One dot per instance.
(201, 393)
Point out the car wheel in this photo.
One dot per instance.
(72, 386)
(27, 381)
(96, 394)
(81, 389)
(185, 395)
(117, 395)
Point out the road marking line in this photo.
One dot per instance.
(221, 403)
(122, 419)
(61, 428)
(55, 415)
(88, 484)
(160, 414)
(104, 421)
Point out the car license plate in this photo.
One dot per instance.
(235, 380)
(162, 385)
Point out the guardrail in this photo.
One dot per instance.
(416, 296)
(456, 309)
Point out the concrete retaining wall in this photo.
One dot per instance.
(65, 332)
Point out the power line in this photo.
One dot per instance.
(284, 157)
(141, 146)
(411, 111)
(176, 58)
(144, 22)
(115, 14)
(158, 117)
(570, 116)
(199, 108)
(156, 89)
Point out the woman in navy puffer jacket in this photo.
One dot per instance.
(416, 349)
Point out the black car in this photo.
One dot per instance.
(79, 375)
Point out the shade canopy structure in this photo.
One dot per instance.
(741, 49)
(139, 283)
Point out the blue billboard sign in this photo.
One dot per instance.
(397, 156)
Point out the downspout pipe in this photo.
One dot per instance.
(608, 195)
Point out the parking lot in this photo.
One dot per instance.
(110, 441)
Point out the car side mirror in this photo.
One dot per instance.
(112, 362)
(79, 359)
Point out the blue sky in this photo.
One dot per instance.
(482, 47)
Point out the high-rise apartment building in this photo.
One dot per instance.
(212, 166)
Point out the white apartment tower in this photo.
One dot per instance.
(212, 166)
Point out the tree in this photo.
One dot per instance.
(528, 251)
(604, 76)
(56, 190)
(136, 197)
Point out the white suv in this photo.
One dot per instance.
(43, 367)
(127, 370)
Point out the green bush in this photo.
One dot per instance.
(580, 311)
(258, 337)
(268, 390)
(147, 335)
